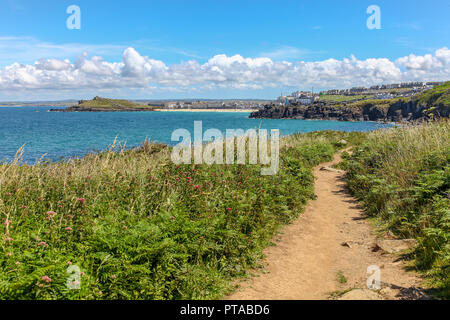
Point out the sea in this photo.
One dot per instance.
(55, 136)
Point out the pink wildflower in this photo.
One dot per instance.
(9, 239)
(51, 214)
(229, 209)
(43, 244)
(68, 229)
(82, 200)
(46, 279)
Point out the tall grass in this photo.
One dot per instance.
(402, 175)
(141, 227)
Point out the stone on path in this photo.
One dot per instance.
(331, 169)
(361, 294)
(395, 246)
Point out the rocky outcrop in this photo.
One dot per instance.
(315, 111)
(398, 111)
(99, 104)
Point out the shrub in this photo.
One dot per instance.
(141, 227)
(403, 177)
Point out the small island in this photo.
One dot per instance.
(99, 104)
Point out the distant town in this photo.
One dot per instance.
(210, 104)
(386, 91)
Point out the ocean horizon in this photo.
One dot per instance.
(57, 135)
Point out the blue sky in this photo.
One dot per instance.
(174, 32)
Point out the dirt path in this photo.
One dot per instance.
(310, 253)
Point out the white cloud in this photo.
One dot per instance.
(287, 52)
(427, 66)
(52, 64)
(27, 49)
(221, 71)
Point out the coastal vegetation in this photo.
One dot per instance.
(140, 227)
(99, 104)
(440, 95)
(402, 176)
(362, 103)
(341, 97)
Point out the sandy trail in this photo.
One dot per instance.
(309, 253)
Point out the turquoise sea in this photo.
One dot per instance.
(58, 135)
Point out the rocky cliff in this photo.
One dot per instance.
(418, 108)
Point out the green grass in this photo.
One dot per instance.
(340, 98)
(341, 277)
(384, 103)
(439, 95)
(141, 227)
(379, 102)
(339, 293)
(99, 103)
(402, 176)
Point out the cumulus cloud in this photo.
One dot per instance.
(437, 65)
(221, 71)
(52, 64)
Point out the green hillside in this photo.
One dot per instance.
(105, 104)
(439, 95)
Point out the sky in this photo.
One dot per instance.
(216, 49)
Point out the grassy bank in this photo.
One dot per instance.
(140, 227)
(105, 104)
(341, 98)
(402, 176)
(440, 95)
